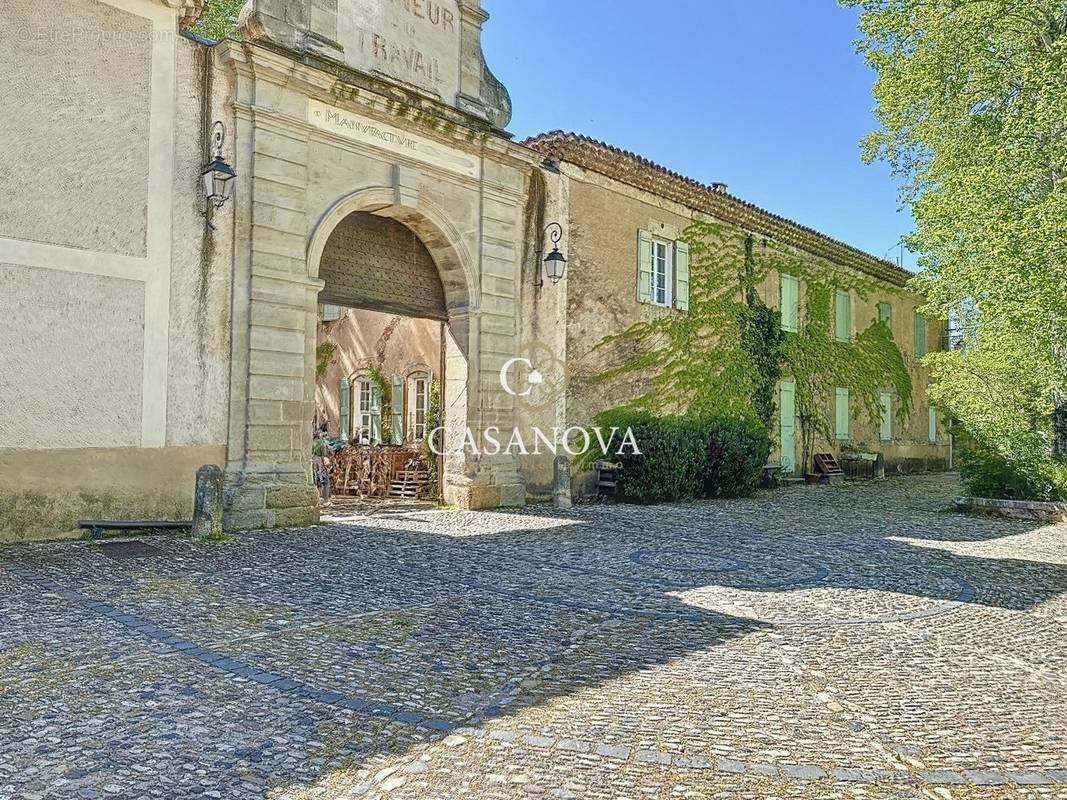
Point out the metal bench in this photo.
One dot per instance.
(98, 526)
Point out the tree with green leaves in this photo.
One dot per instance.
(972, 103)
(219, 20)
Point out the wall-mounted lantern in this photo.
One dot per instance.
(555, 265)
(218, 176)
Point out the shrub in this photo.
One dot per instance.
(737, 450)
(685, 458)
(1013, 471)
(671, 465)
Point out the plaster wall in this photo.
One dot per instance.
(114, 316)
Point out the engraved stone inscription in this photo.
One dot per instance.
(394, 140)
(413, 41)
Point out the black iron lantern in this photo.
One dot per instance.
(555, 265)
(218, 176)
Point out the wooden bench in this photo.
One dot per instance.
(98, 526)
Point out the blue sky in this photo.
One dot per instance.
(768, 96)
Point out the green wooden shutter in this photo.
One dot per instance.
(644, 267)
(932, 426)
(787, 435)
(375, 414)
(681, 276)
(920, 335)
(345, 407)
(841, 415)
(885, 313)
(843, 315)
(790, 302)
(397, 410)
(885, 402)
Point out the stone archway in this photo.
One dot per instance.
(376, 263)
(448, 293)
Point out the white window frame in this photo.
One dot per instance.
(667, 248)
(365, 409)
(417, 426)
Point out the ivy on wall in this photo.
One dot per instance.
(324, 356)
(728, 353)
(761, 339)
(385, 394)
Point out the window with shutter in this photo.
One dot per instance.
(841, 414)
(644, 267)
(920, 335)
(787, 434)
(418, 405)
(885, 402)
(885, 314)
(681, 276)
(843, 315)
(396, 415)
(344, 406)
(662, 273)
(932, 426)
(790, 303)
(366, 411)
(375, 414)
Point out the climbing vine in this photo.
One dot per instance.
(433, 423)
(324, 355)
(761, 339)
(728, 353)
(385, 393)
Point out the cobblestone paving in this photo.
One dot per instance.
(856, 641)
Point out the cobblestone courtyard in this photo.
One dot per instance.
(856, 641)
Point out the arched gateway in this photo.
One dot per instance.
(331, 161)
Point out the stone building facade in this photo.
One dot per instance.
(362, 348)
(611, 200)
(143, 336)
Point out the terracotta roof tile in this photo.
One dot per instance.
(640, 172)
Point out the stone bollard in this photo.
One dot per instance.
(562, 484)
(207, 506)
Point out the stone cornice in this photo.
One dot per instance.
(363, 93)
(633, 170)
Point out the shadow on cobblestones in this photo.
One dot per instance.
(286, 659)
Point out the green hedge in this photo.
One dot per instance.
(1016, 470)
(737, 451)
(685, 458)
